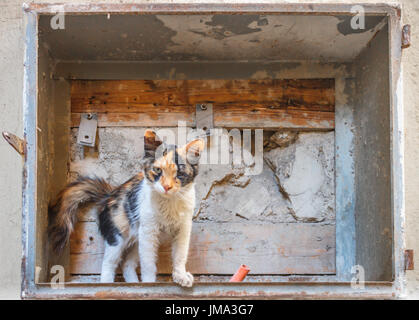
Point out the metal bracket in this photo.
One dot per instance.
(408, 260)
(406, 38)
(87, 129)
(204, 117)
(17, 143)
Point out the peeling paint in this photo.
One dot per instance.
(224, 26)
(221, 37)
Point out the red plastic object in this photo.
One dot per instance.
(240, 274)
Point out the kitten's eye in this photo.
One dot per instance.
(157, 170)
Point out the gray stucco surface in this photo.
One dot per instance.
(372, 151)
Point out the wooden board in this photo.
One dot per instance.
(216, 248)
(298, 104)
(220, 248)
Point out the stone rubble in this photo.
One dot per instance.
(295, 185)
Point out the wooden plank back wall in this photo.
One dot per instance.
(270, 104)
(220, 248)
(216, 248)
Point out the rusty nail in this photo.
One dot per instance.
(406, 36)
(408, 260)
(18, 144)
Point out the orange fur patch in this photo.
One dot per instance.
(192, 150)
(169, 170)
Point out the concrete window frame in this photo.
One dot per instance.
(342, 289)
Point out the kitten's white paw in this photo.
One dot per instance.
(185, 279)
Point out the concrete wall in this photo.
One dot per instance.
(372, 155)
(309, 194)
(11, 80)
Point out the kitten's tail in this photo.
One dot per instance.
(63, 213)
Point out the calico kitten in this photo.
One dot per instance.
(132, 217)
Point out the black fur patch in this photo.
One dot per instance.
(106, 226)
(131, 202)
(186, 172)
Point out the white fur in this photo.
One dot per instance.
(113, 256)
(161, 214)
(111, 260)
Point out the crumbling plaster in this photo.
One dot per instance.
(11, 82)
(296, 184)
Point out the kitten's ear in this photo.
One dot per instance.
(151, 142)
(194, 150)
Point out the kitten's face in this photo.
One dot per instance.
(175, 167)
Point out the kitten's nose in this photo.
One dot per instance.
(167, 188)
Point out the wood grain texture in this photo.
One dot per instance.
(305, 104)
(220, 249)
